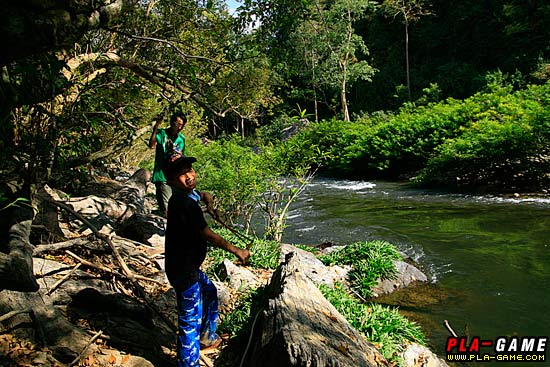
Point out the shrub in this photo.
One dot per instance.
(497, 137)
(233, 173)
(504, 146)
(265, 254)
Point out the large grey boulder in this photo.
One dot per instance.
(314, 269)
(299, 327)
(407, 275)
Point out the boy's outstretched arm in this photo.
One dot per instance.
(242, 254)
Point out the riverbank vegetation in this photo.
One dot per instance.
(370, 262)
(382, 325)
(498, 139)
(417, 91)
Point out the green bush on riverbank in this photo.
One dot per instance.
(383, 326)
(498, 139)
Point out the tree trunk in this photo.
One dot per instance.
(127, 201)
(16, 269)
(316, 107)
(407, 58)
(344, 100)
(299, 327)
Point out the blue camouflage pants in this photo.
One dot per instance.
(197, 319)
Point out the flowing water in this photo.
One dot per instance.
(488, 258)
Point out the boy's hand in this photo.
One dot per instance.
(243, 255)
(213, 212)
(158, 122)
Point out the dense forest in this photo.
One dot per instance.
(82, 83)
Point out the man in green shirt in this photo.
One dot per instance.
(170, 145)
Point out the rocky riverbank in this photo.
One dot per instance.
(97, 309)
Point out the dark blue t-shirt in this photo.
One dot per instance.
(185, 249)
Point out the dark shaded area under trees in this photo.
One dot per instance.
(454, 46)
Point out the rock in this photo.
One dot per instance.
(314, 268)
(239, 278)
(406, 275)
(416, 355)
(299, 327)
(145, 228)
(224, 294)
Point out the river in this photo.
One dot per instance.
(488, 257)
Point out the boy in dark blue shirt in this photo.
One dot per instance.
(187, 234)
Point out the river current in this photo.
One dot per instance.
(488, 258)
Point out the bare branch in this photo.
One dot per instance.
(172, 45)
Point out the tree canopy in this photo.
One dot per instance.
(82, 80)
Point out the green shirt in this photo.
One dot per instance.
(165, 145)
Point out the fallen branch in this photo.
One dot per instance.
(60, 281)
(127, 271)
(448, 326)
(93, 339)
(207, 361)
(11, 314)
(99, 235)
(108, 270)
(129, 274)
(93, 265)
(40, 249)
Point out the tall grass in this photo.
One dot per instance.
(370, 261)
(383, 326)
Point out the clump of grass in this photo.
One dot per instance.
(237, 320)
(370, 261)
(265, 254)
(307, 248)
(382, 325)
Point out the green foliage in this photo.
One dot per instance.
(542, 71)
(307, 248)
(498, 138)
(233, 173)
(235, 321)
(503, 146)
(272, 133)
(265, 254)
(370, 261)
(389, 144)
(383, 326)
(248, 181)
(326, 48)
(238, 323)
(317, 145)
